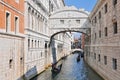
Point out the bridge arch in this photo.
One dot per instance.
(64, 31)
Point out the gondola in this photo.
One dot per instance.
(78, 58)
(56, 70)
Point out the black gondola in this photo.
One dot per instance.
(78, 58)
(56, 70)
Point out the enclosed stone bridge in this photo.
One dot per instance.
(69, 19)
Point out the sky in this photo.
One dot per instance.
(88, 5)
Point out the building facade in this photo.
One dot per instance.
(11, 39)
(37, 51)
(103, 54)
(37, 36)
(82, 41)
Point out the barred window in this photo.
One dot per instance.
(106, 31)
(105, 60)
(115, 27)
(114, 63)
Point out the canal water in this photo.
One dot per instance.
(71, 70)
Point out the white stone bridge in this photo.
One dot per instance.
(69, 19)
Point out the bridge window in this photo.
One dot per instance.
(115, 27)
(78, 21)
(105, 60)
(114, 63)
(62, 21)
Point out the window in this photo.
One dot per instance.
(99, 57)
(94, 55)
(106, 31)
(35, 43)
(10, 63)
(114, 2)
(106, 8)
(45, 45)
(114, 63)
(62, 21)
(95, 20)
(32, 43)
(99, 15)
(99, 33)
(115, 27)
(95, 35)
(105, 60)
(78, 21)
(41, 54)
(7, 21)
(28, 43)
(38, 44)
(16, 25)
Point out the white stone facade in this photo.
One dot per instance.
(37, 35)
(104, 55)
(37, 54)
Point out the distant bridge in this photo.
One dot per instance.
(79, 50)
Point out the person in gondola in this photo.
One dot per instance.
(54, 68)
(78, 58)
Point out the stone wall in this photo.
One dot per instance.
(104, 55)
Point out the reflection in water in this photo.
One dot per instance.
(71, 70)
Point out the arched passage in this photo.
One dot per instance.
(64, 31)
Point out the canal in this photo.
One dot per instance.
(71, 70)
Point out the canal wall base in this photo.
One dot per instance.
(31, 76)
(96, 70)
